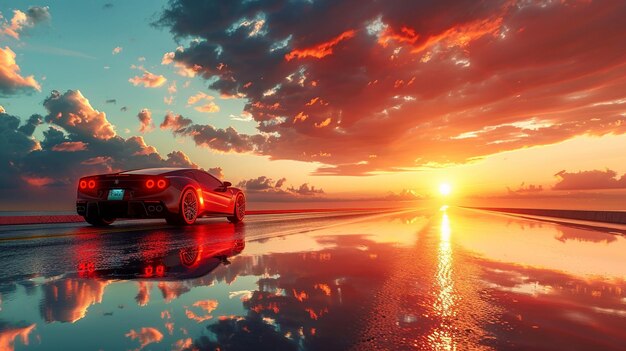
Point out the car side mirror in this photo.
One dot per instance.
(227, 184)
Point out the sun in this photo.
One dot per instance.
(445, 189)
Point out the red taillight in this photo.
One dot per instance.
(83, 184)
(160, 270)
(161, 184)
(150, 184)
(148, 271)
(91, 184)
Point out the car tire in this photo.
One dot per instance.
(98, 221)
(187, 209)
(240, 210)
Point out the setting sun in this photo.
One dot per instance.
(445, 189)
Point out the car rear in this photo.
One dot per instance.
(126, 196)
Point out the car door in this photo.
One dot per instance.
(215, 194)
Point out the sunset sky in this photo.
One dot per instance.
(303, 100)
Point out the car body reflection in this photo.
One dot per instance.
(207, 251)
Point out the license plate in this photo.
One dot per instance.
(116, 194)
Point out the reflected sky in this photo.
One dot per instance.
(433, 280)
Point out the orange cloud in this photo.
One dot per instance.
(74, 113)
(183, 344)
(461, 35)
(8, 336)
(405, 35)
(143, 295)
(210, 107)
(320, 50)
(207, 305)
(37, 181)
(148, 80)
(70, 146)
(146, 336)
(68, 300)
(11, 82)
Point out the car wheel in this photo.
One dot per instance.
(98, 221)
(188, 209)
(240, 210)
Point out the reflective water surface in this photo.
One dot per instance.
(449, 279)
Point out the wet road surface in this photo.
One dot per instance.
(425, 279)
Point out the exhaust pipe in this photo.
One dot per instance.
(151, 208)
(159, 208)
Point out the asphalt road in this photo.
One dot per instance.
(438, 279)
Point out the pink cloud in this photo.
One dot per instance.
(145, 120)
(175, 122)
(70, 146)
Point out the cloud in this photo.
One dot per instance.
(525, 189)
(23, 20)
(11, 82)
(589, 180)
(73, 112)
(175, 122)
(199, 97)
(415, 83)
(145, 120)
(70, 146)
(404, 195)
(148, 80)
(180, 159)
(117, 50)
(209, 106)
(8, 334)
(217, 172)
(146, 336)
(79, 140)
(172, 88)
(320, 50)
(305, 190)
(267, 189)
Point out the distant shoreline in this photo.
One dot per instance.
(615, 217)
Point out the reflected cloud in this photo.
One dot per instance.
(584, 235)
(8, 334)
(146, 336)
(67, 300)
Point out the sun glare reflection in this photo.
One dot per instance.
(444, 305)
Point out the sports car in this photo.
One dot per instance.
(180, 195)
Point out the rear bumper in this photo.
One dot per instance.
(122, 209)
